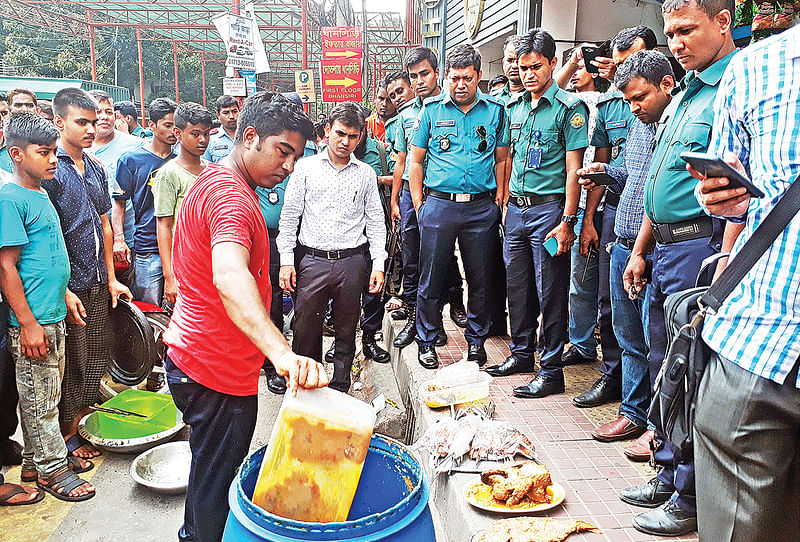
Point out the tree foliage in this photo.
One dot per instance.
(28, 50)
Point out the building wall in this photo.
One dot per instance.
(569, 21)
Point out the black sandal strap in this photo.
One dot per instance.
(16, 490)
(66, 481)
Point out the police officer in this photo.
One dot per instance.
(221, 143)
(546, 127)
(614, 119)
(423, 70)
(678, 232)
(460, 132)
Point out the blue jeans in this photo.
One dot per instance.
(584, 281)
(538, 285)
(148, 282)
(630, 321)
(441, 222)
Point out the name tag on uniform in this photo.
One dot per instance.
(443, 123)
(534, 158)
(616, 124)
(516, 125)
(408, 123)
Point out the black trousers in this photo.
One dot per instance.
(8, 381)
(222, 427)
(612, 353)
(318, 280)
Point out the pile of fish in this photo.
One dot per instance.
(449, 442)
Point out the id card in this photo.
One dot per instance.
(535, 158)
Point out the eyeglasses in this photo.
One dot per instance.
(483, 145)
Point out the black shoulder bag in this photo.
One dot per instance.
(674, 399)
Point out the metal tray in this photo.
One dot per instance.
(88, 429)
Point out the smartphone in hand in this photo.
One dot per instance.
(600, 178)
(711, 165)
(589, 53)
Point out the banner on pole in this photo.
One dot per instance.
(234, 86)
(341, 80)
(240, 45)
(341, 42)
(304, 85)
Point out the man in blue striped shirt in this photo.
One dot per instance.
(748, 411)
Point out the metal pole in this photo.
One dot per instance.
(141, 71)
(203, 75)
(364, 52)
(175, 63)
(235, 4)
(304, 32)
(91, 44)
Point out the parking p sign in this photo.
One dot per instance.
(304, 85)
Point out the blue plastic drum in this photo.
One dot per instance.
(390, 504)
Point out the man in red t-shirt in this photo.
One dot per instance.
(384, 110)
(221, 330)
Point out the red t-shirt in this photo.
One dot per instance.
(203, 341)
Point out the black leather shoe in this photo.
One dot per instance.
(574, 357)
(666, 520)
(373, 351)
(409, 331)
(276, 384)
(458, 314)
(330, 352)
(510, 366)
(601, 392)
(399, 314)
(650, 495)
(540, 386)
(427, 357)
(441, 337)
(476, 353)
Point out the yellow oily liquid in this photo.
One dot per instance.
(311, 470)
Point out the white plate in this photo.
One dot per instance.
(558, 497)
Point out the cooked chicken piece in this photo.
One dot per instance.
(513, 484)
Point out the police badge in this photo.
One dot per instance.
(273, 197)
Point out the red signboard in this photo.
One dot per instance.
(341, 42)
(341, 80)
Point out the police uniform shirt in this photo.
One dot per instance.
(540, 138)
(220, 146)
(271, 199)
(614, 119)
(405, 127)
(452, 139)
(506, 95)
(686, 126)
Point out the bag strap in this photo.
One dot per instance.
(382, 154)
(755, 247)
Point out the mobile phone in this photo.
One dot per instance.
(600, 178)
(711, 165)
(551, 246)
(591, 52)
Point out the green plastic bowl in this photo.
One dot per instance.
(158, 408)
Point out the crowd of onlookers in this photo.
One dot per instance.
(575, 215)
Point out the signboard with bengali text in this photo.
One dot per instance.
(341, 81)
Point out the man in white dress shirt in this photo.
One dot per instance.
(340, 244)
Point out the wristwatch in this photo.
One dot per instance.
(570, 220)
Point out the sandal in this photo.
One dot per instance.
(13, 490)
(76, 441)
(73, 464)
(66, 481)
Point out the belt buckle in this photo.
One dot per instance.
(462, 198)
(528, 201)
(332, 254)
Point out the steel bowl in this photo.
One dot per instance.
(88, 429)
(164, 469)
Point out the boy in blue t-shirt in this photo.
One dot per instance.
(34, 272)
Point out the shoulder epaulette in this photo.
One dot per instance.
(438, 98)
(569, 99)
(609, 96)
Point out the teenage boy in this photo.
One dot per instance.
(34, 271)
(221, 143)
(126, 112)
(109, 144)
(135, 173)
(220, 331)
(79, 192)
(173, 180)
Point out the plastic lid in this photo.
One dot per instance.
(334, 407)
